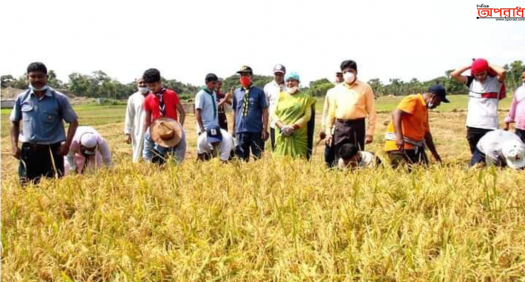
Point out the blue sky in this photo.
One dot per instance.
(186, 40)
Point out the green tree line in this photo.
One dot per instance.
(99, 85)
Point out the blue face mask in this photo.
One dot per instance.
(44, 88)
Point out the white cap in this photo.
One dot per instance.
(514, 153)
(88, 140)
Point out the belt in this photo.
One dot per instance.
(349, 121)
(39, 147)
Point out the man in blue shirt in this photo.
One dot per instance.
(250, 117)
(43, 111)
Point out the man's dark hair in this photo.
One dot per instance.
(348, 64)
(348, 151)
(151, 76)
(211, 77)
(36, 66)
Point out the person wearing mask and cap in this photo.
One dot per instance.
(486, 88)
(272, 90)
(87, 151)
(352, 101)
(329, 151)
(134, 120)
(517, 110)
(215, 142)
(44, 141)
(409, 131)
(224, 101)
(160, 102)
(168, 142)
(250, 117)
(292, 114)
(499, 148)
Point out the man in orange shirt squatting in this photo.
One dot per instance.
(408, 133)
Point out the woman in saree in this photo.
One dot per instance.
(291, 117)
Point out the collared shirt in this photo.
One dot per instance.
(42, 118)
(134, 123)
(517, 109)
(352, 102)
(414, 124)
(491, 144)
(75, 159)
(252, 122)
(171, 100)
(272, 91)
(205, 147)
(483, 102)
(207, 103)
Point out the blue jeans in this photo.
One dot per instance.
(157, 154)
(480, 158)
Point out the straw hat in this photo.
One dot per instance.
(166, 132)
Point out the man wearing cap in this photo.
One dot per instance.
(87, 151)
(409, 131)
(486, 88)
(44, 142)
(272, 91)
(250, 117)
(329, 151)
(499, 148)
(215, 142)
(352, 102)
(224, 101)
(167, 140)
(134, 121)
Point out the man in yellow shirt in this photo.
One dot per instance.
(408, 133)
(351, 103)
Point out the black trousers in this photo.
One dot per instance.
(408, 157)
(310, 132)
(520, 133)
(272, 138)
(473, 136)
(247, 141)
(37, 161)
(329, 156)
(349, 132)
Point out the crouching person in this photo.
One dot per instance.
(88, 151)
(215, 142)
(409, 131)
(351, 157)
(165, 140)
(499, 148)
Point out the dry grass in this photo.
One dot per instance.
(275, 219)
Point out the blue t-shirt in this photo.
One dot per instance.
(251, 119)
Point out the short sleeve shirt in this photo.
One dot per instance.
(414, 123)
(171, 100)
(483, 102)
(43, 118)
(207, 103)
(251, 119)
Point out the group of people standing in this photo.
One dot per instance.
(280, 112)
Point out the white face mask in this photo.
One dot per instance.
(143, 90)
(45, 87)
(292, 90)
(349, 77)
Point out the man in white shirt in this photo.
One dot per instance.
(134, 124)
(486, 88)
(87, 151)
(215, 142)
(272, 91)
(500, 148)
